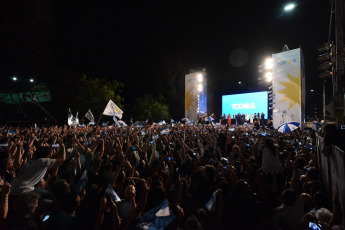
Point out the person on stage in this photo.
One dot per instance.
(262, 120)
(247, 117)
(229, 119)
(251, 118)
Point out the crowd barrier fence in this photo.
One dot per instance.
(332, 170)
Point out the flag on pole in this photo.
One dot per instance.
(92, 123)
(83, 180)
(89, 116)
(158, 218)
(112, 109)
(211, 204)
(36, 127)
(105, 123)
(112, 194)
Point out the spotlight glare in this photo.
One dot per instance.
(14, 78)
(269, 63)
(200, 78)
(200, 87)
(268, 76)
(289, 7)
(32, 80)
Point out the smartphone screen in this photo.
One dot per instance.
(46, 217)
(315, 226)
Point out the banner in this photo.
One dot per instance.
(112, 109)
(191, 97)
(287, 87)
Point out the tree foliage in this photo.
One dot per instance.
(94, 94)
(151, 107)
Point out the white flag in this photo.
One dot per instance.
(76, 119)
(112, 109)
(70, 118)
(89, 116)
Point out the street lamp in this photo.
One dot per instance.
(289, 7)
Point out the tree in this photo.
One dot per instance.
(95, 93)
(150, 107)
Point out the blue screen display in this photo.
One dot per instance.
(245, 103)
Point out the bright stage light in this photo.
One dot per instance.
(14, 78)
(31, 80)
(290, 6)
(200, 77)
(200, 87)
(268, 76)
(269, 63)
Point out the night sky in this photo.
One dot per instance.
(151, 45)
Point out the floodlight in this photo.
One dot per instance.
(269, 63)
(200, 77)
(200, 87)
(268, 76)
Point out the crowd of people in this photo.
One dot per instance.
(200, 176)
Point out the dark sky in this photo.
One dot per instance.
(151, 45)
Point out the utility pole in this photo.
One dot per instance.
(339, 55)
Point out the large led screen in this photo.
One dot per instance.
(245, 103)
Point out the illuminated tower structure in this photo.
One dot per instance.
(288, 87)
(195, 95)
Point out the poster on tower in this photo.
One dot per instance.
(191, 97)
(288, 75)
